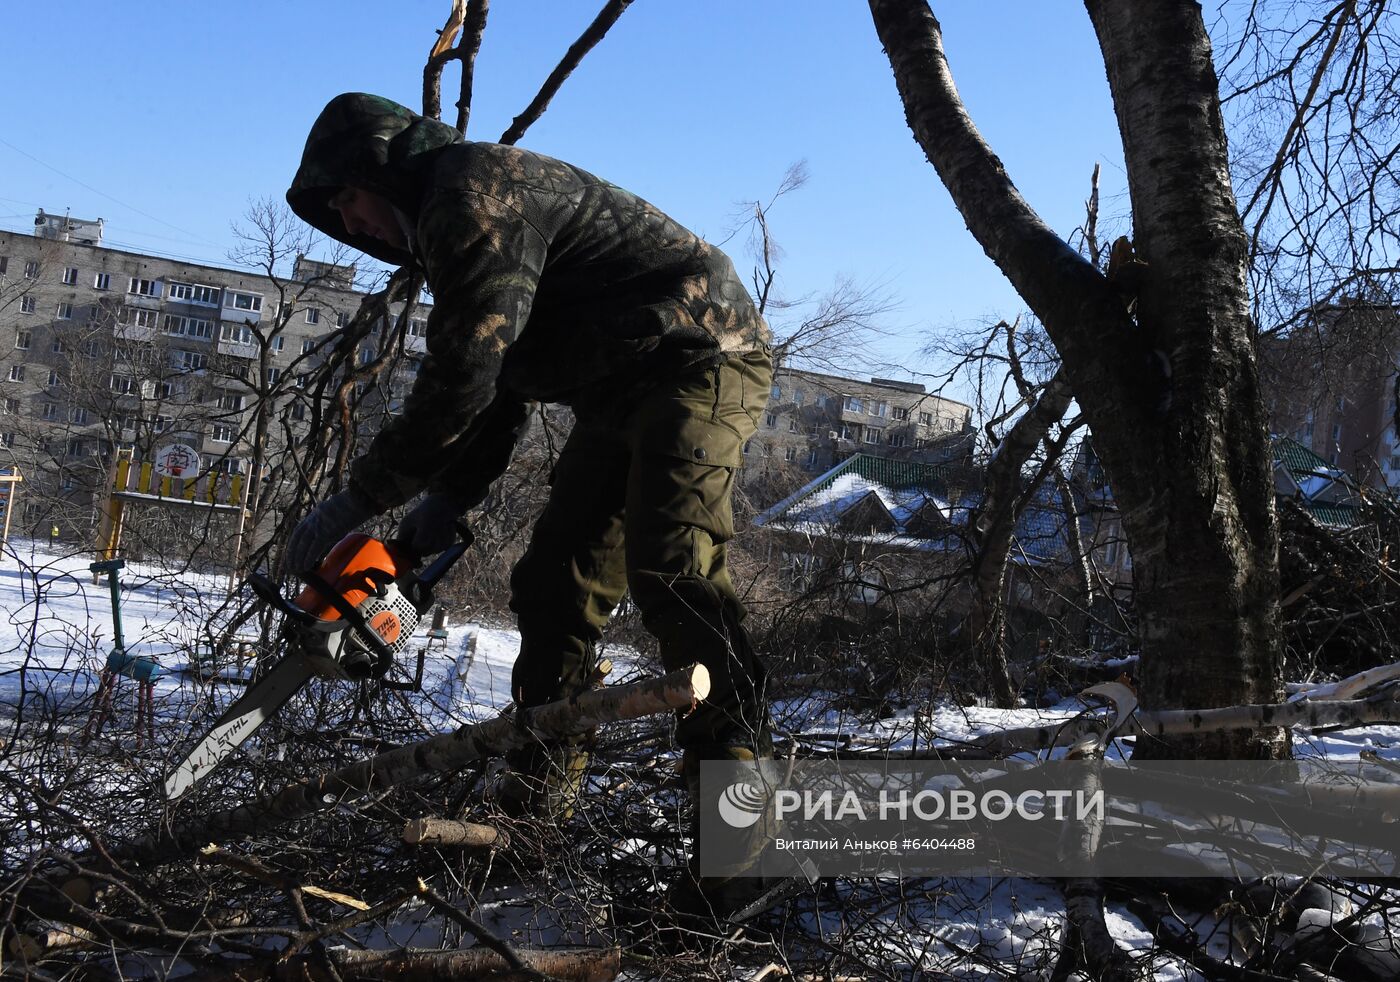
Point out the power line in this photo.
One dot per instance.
(103, 194)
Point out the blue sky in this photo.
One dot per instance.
(165, 118)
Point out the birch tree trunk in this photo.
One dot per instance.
(1192, 478)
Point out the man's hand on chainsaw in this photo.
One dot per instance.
(328, 523)
(431, 526)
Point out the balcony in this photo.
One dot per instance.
(133, 332)
(238, 349)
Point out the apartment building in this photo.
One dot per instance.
(1331, 386)
(104, 349)
(814, 421)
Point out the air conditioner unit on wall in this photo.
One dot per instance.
(832, 435)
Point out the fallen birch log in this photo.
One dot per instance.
(1382, 707)
(1345, 688)
(446, 752)
(431, 831)
(425, 965)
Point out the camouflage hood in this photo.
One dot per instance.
(368, 142)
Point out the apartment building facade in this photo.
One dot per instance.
(814, 421)
(105, 349)
(1331, 385)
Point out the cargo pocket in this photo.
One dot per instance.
(711, 442)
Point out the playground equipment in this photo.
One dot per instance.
(122, 664)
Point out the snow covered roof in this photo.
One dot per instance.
(863, 487)
(909, 505)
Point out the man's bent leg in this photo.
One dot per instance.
(572, 575)
(563, 590)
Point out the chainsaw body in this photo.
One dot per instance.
(361, 614)
(357, 613)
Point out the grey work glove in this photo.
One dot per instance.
(432, 525)
(328, 523)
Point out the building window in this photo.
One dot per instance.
(10, 407)
(190, 327)
(273, 374)
(16, 373)
(747, 444)
(102, 281)
(880, 409)
(50, 411)
(299, 381)
(231, 401)
(31, 270)
(26, 305)
(54, 379)
(872, 435)
(898, 439)
(770, 420)
(159, 424)
(144, 288)
(23, 339)
(137, 317)
(236, 333)
(811, 459)
(243, 301)
(417, 328)
(70, 276)
(276, 344)
(194, 293)
(1395, 462)
(4, 265)
(341, 318)
(298, 411)
(777, 392)
(313, 315)
(790, 453)
(853, 404)
(900, 412)
(366, 355)
(122, 385)
(7, 440)
(798, 397)
(221, 433)
(792, 425)
(307, 346)
(65, 311)
(78, 415)
(75, 449)
(58, 347)
(191, 361)
(1336, 432)
(925, 419)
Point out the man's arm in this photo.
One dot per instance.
(483, 262)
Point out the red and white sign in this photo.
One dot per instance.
(177, 460)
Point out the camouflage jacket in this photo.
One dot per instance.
(549, 284)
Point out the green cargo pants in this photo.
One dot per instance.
(640, 501)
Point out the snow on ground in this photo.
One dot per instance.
(57, 627)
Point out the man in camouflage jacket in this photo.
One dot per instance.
(553, 285)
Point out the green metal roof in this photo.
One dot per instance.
(1299, 460)
(897, 475)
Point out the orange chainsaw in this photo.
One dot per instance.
(356, 614)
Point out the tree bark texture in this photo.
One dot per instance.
(1192, 479)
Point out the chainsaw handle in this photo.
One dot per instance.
(446, 559)
(265, 590)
